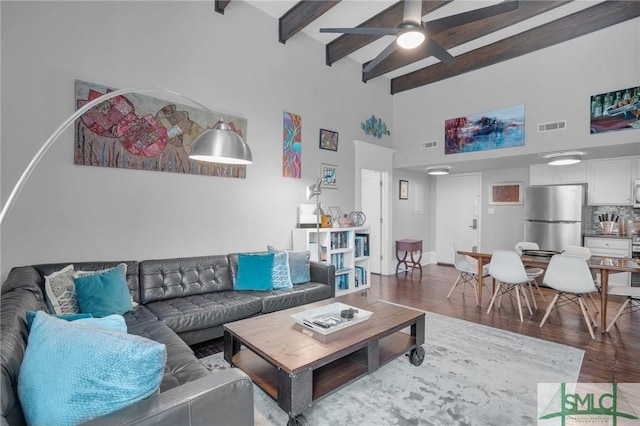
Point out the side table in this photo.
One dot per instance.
(409, 246)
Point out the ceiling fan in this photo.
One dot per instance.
(413, 32)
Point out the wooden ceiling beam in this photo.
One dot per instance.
(301, 15)
(391, 17)
(219, 5)
(456, 36)
(594, 18)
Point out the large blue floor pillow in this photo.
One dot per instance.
(73, 372)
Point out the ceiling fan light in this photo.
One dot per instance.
(410, 39)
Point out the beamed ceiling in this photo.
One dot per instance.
(531, 26)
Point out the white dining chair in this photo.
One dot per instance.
(507, 268)
(468, 273)
(632, 301)
(584, 253)
(570, 277)
(532, 272)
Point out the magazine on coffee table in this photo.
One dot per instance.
(331, 318)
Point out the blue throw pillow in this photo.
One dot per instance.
(254, 272)
(280, 272)
(72, 372)
(71, 317)
(299, 265)
(104, 293)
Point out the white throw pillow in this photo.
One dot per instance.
(61, 292)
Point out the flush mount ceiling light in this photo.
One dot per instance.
(438, 170)
(564, 158)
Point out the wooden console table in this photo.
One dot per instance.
(409, 246)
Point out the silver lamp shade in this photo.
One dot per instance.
(221, 145)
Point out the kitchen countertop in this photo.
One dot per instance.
(614, 236)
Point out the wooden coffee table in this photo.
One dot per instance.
(296, 366)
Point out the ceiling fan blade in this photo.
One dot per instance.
(434, 48)
(412, 11)
(442, 24)
(381, 57)
(361, 31)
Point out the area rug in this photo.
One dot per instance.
(472, 375)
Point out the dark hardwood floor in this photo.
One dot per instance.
(611, 357)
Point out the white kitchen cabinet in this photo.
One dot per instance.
(610, 181)
(611, 247)
(543, 174)
(346, 248)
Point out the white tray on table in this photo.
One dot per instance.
(330, 315)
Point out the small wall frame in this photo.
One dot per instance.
(328, 140)
(404, 189)
(505, 194)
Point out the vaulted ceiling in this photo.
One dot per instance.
(531, 26)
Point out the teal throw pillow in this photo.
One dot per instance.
(104, 293)
(254, 272)
(299, 265)
(72, 372)
(280, 272)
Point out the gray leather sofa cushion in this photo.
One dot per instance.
(205, 310)
(170, 278)
(139, 315)
(301, 294)
(182, 365)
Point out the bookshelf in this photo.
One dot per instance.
(346, 248)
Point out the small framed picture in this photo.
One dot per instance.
(328, 140)
(404, 189)
(505, 194)
(329, 174)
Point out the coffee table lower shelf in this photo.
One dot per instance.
(332, 376)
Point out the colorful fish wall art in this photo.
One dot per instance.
(135, 131)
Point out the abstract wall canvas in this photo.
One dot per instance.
(616, 110)
(502, 128)
(291, 145)
(505, 194)
(136, 131)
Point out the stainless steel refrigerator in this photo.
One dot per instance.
(553, 215)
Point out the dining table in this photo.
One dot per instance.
(603, 265)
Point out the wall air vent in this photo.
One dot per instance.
(549, 127)
(429, 144)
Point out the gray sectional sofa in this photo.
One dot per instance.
(179, 302)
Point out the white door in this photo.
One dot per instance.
(372, 207)
(457, 214)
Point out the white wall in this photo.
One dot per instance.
(413, 216)
(554, 83)
(74, 213)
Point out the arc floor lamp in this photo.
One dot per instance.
(219, 144)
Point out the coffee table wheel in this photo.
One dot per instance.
(416, 356)
(299, 420)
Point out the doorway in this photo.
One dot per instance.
(372, 207)
(374, 164)
(457, 214)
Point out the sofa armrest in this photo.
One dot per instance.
(324, 273)
(225, 397)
